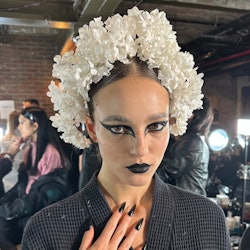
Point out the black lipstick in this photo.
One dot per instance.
(138, 168)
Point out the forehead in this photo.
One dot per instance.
(22, 118)
(131, 96)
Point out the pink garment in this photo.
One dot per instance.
(49, 162)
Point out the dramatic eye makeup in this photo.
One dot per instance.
(156, 126)
(124, 129)
(118, 129)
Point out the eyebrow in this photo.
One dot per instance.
(122, 119)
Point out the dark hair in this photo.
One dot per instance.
(45, 134)
(34, 102)
(121, 70)
(202, 119)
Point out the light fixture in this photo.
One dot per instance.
(218, 139)
(243, 128)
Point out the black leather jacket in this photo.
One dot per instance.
(15, 204)
(5, 168)
(187, 163)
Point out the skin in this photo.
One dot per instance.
(131, 126)
(27, 128)
(14, 147)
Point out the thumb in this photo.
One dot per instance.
(87, 239)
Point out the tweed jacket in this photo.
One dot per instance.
(179, 220)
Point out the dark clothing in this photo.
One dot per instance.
(187, 163)
(5, 168)
(16, 207)
(91, 162)
(179, 220)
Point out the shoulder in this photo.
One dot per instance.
(58, 226)
(189, 141)
(70, 210)
(194, 203)
(51, 148)
(186, 201)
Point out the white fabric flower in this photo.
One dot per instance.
(99, 44)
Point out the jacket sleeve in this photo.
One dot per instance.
(185, 155)
(43, 193)
(5, 167)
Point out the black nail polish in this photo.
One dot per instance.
(144, 247)
(89, 223)
(132, 211)
(139, 224)
(131, 248)
(122, 207)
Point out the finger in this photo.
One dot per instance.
(119, 234)
(111, 225)
(131, 235)
(87, 239)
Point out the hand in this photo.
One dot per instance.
(113, 235)
(14, 147)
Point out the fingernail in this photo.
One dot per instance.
(144, 247)
(122, 207)
(131, 248)
(132, 211)
(89, 222)
(139, 224)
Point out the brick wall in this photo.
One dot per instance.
(25, 72)
(25, 69)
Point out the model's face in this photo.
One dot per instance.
(26, 127)
(131, 127)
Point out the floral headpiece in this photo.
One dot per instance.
(150, 37)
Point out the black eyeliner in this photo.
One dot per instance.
(109, 127)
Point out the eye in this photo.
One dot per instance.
(118, 129)
(156, 126)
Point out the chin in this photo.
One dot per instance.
(139, 180)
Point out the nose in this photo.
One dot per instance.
(139, 146)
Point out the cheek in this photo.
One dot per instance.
(26, 130)
(159, 146)
(111, 148)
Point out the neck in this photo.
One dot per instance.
(117, 193)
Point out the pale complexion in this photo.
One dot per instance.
(27, 128)
(131, 126)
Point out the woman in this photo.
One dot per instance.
(133, 78)
(12, 135)
(6, 162)
(41, 180)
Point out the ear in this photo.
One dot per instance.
(90, 126)
(172, 120)
(35, 126)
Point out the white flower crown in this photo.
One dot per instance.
(150, 37)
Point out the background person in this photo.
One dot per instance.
(6, 160)
(187, 161)
(129, 78)
(11, 136)
(42, 180)
(31, 102)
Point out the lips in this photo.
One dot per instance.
(139, 168)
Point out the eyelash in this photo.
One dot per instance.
(129, 130)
